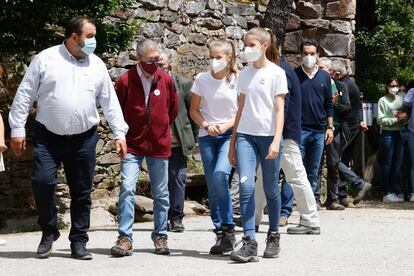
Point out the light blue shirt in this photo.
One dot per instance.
(67, 92)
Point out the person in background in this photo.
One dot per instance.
(215, 92)
(352, 125)
(184, 136)
(68, 82)
(317, 112)
(3, 147)
(257, 135)
(407, 114)
(342, 106)
(150, 105)
(390, 144)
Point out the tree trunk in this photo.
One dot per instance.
(276, 17)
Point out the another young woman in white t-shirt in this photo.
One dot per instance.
(257, 135)
(215, 92)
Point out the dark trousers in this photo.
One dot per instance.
(78, 155)
(333, 158)
(346, 175)
(177, 174)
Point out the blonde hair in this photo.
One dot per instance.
(228, 48)
(266, 35)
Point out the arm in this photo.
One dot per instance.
(108, 100)
(232, 149)
(25, 96)
(198, 118)
(343, 106)
(275, 146)
(187, 100)
(173, 108)
(3, 146)
(329, 113)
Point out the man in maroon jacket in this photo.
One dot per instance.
(149, 104)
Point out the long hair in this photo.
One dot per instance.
(228, 48)
(266, 35)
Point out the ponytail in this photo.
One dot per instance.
(272, 53)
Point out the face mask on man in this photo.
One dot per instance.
(150, 68)
(89, 46)
(252, 54)
(393, 90)
(218, 65)
(309, 61)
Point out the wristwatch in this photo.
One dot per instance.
(330, 127)
(206, 127)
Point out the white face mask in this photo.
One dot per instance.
(309, 61)
(393, 90)
(218, 65)
(252, 54)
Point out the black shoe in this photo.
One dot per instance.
(363, 192)
(45, 246)
(224, 242)
(79, 251)
(238, 221)
(304, 230)
(248, 252)
(272, 245)
(256, 228)
(177, 226)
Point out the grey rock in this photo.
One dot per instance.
(336, 44)
(123, 13)
(193, 8)
(308, 9)
(341, 26)
(293, 23)
(240, 21)
(292, 43)
(116, 73)
(196, 207)
(109, 158)
(152, 30)
(175, 5)
(101, 217)
(197, 38)
(154, 4)
(143, 217)
(144, 204)
(215, 4)
(99, 145)
(210, 23)
(123, 59)
(97, 194)
(318, 23)
(173, 40)
(176, 28)
(169, 16)
(345, 9)
(234, 32)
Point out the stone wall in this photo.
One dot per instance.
(184, 27)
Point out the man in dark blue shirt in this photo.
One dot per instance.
(317, 112)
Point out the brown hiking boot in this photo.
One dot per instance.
(334, 206)
(363, 192)
(161, 246)
(283, 221)
(123, 247)
(346, 203)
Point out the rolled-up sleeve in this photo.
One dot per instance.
(108, 100)
(25, 96)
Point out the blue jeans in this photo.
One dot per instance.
(312, 148)
(391, 153)
(158, 173)
(286, 197)
(249, 148)
(411, 150)
(214, 155)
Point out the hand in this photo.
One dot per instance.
(18, 145)
(273, 150)
(121, 148)
(222, 128)
(232, 156)
(363, 126)
(329, 136)
(402, 117)
(335, 98)
(3, 146)
(213, 130)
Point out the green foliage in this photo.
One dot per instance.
(32, 25)
(387, 49)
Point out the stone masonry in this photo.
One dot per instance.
(184, 27)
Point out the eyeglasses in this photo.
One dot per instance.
(152, 60)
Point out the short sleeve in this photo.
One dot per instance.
(281, 86)
(241, 83)
(195, 88)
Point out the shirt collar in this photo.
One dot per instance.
(141, 73)
(311, 75)
(69, 55)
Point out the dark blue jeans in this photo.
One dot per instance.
(286, 199)
(177, 174)
(391, 153)
(77, 153)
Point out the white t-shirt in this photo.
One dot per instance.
(218, 99)
(260, 87)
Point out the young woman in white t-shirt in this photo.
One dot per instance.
(257, 135)
(215, 92)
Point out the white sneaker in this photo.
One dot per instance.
(412, 197)
(400, 197)
(390, 198)
(2, 242)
